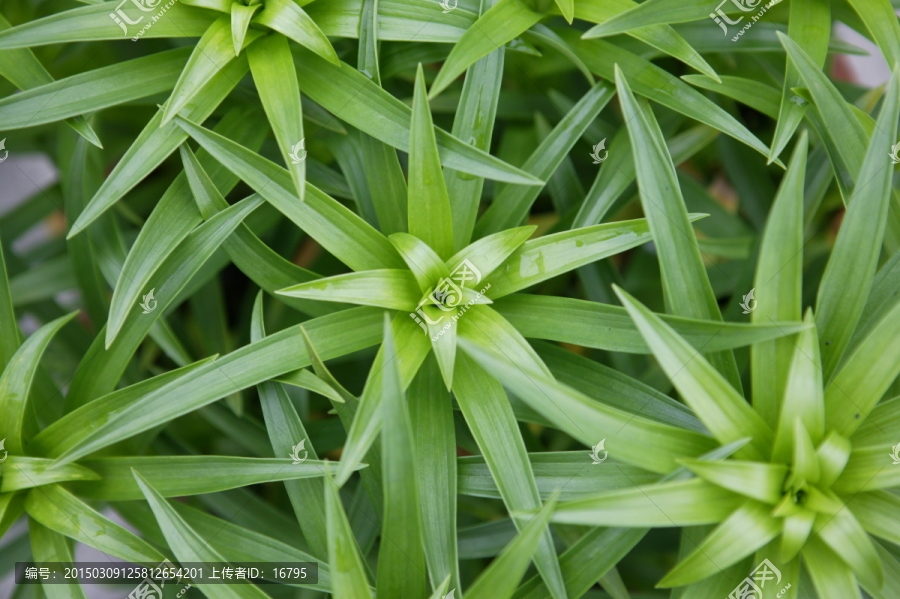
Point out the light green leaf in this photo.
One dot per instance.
(645, 443)
(511, 207)
(755, 94)
(851, 269)
(777, 297)
(686, 287)
(16, 381)
(809, 26)
(188, 546)
(348, 576)
(660, 86)
(845, 536)
(24, 473)
(431, 413)
(499, 580)
(156, 142)
(176, 476)
(335, 227)
(681, 503)
(393, 289)
(356, 99)
(429, 205)
(716, 403)
(240, 21)
(426, 266)
(276, 82)
(756, 480)
(210, 56)
(880, 18)
(122, 82)
(59, 510)
(337, 334)
(486, 409)
(747, 529)
(288, 18)
(506, 20)
(401, 563)
(803, 397)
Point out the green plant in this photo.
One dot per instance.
(408, 341)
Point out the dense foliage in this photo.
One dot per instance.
(493, 299)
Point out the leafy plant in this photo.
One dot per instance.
(372, 316)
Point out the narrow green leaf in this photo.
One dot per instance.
(851, 269)
(240, 22)
(654, 12)
(755, 94)
(348, 576)
(59, 510)
(506, 20)
(426, 266)
(393, 289)
(810, 27)
(716, 403)
(511, 207)
(24, 473)
(546, 257)
(777, 292)
(156, 142)
(9, 328)
(276, 82)
(844, 535)
(356, 99)
(188, 546)
(50, 546)
(499, 580)
(401, 559)
(287, 18)
(48, 101)
(92, 23)
(429, 204)
(431, 413)
(660, 86)
(176, 476)
(803, 396)
(335, 227)
(486, 409)
(682, 503)
(756, 480)
(646, 443)
(747, 529)
(880, 18)
(351, 330)
(685, 282)
(16, 381)
(286, 432)
(865, 376)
